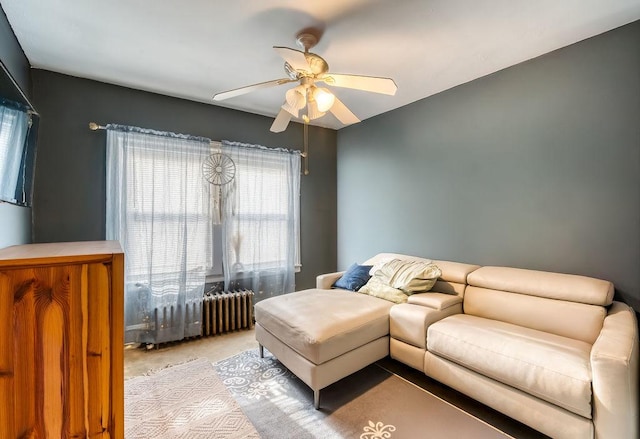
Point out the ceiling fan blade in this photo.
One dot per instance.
(344, 115)
(367, 83)
(281, 121)
(295, 58)
(249, 88)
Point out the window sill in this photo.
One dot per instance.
(217, 277)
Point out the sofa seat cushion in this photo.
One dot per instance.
(323, 324)
(550, 367)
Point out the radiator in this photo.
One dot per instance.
(228, 311)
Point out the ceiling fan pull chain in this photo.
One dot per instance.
(305, 153)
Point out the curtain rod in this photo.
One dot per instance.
(95, 127)
(304, 154)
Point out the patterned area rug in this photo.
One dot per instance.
(370, 404)
(184, 401)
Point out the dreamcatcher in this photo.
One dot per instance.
(219, 170)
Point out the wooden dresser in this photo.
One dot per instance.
(61, 341)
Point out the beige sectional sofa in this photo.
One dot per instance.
(551, 350)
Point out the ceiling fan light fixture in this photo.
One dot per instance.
(295, 98)
(324, 99)
(313, 112)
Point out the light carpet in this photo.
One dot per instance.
(370, 404)
(185, 401)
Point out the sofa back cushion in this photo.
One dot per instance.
(567, 305)
(453, 279)
(560, 286)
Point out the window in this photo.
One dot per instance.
(167, 198)
(168, 204)
(261, 220)
(157, 204)
(266, 212)
(14, 127)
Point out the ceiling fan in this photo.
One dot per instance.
(307, 100)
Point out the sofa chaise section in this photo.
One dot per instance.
(324, 335)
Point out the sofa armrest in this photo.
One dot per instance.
(324, 281)
(614, 365)
(409, 322)
(437, 301)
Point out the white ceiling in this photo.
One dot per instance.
(193, 49)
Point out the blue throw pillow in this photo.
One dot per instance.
(354, 278)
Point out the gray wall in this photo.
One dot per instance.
(69, 192)
(15, 221)
(15, 225)
(536, 166)
(12, 55)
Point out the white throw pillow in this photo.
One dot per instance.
(409, 276)
(379, 289)
(397, 279)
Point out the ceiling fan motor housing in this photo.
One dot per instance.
(306, 40)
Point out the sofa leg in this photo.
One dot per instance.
(261, 348)
(316, 399)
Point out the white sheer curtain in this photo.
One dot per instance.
(14, 127)
(159, 208)
(261, 220)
